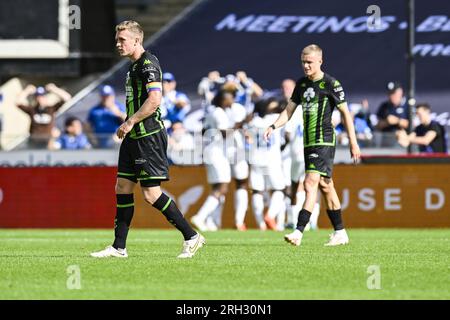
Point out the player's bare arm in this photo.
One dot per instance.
(147, 109)
(348, 122)
(284, 117)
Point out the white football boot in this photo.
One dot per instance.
(338, 238)
(110, 251)
(190, 247)
(294, 238)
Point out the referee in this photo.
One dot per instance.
(318, 93)
(143, 152)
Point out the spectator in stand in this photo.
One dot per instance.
(360, 114)
(287, 87)
(42, 112)
(73, 137)
(104, 119)
(180, 144)
(179, 138)
(209, 86)
(430, 136)
(244, 89)
(392, 114)
(251, 91)
(175, 104)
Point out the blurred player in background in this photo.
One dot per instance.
(296, 173)
(143, 152)
(318, 93)
(224, 160)
(266, 173)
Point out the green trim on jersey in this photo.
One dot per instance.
(147, 134)
(158, 118)
(325, 100)
(141, 124)
(312, 118)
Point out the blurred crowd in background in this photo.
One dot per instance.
(387, 128)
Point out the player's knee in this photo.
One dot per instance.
(326, 185)
(122, 187)
(151, 195)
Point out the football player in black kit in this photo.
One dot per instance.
(143, 152)
(318, 94)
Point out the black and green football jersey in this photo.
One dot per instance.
(318, 100)
(143, 76)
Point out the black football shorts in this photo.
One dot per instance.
(320, 159)
(144, 159)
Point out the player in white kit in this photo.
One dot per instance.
(294, 130)
(266, 172)
(222, 159)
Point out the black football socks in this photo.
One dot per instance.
(303, 219)
(336, 219)
(169, 209)
(124, 214)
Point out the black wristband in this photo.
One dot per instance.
(272, 126)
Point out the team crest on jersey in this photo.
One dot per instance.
(309, 94)
(322, 85)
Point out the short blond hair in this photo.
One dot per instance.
(133, 27)
(312, 48)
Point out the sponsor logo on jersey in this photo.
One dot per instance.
(128, 88)
(143, 173)
(322, 85)
(313, 155)
(140, 161)
(146, 61)
(150, 69)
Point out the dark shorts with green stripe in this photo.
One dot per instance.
(320, 159)
(144, 159)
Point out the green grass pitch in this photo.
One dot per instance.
(413, 264)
